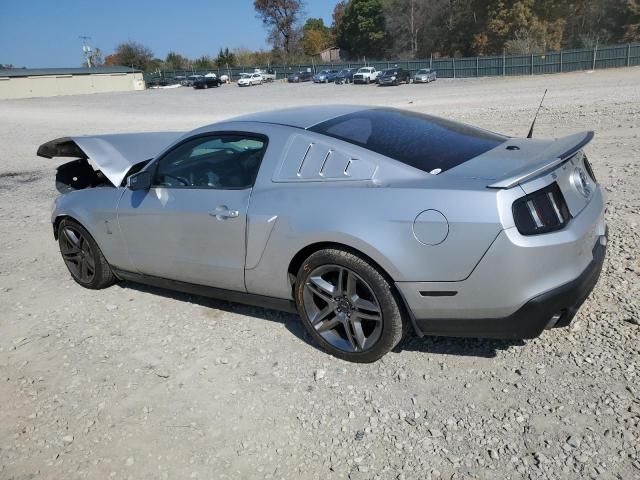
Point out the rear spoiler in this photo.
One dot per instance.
(549, 158)
(113, 154)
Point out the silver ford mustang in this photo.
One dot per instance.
(367, 221)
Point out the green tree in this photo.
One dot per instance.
(362, 29)
(175, 61)
(204, 62)
(133, 54)
(315, 36)
(631, 23)
(281, 18)
(405, 20)
(338, 13)
(225, 58)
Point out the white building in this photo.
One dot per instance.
(50, 82)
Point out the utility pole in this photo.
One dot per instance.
(86, 49)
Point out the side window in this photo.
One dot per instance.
(216, 161)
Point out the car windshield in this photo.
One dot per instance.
(423, 71)
(245, 75)
(390, 72)
(421, 141)
(364, 70)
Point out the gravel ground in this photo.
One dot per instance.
(134, 382)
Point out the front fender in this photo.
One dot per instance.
(95, 209)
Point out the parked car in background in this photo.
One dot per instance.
(250, 79)
(298, 77)
(164, 82)
(366, 75)
(325, 76)
(207, 81)
(425, 75)
(182, 80)
(394, 76)
(345, 76)
(267, 75)
(191, 79)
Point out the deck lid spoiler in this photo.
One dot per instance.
(113, 154)
(548, 159)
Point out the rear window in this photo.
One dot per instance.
(421, 141)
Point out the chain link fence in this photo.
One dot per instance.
(613, 56)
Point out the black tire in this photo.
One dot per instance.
(393, 326)
(102, 276)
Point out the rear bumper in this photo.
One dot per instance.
(555, 308)
(520, 283)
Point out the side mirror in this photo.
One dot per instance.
(139, 181)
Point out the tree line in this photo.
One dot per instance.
(392, 29)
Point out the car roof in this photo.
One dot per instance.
(300, 117)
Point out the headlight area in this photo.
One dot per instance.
(542, 211)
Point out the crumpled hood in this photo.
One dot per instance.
(113, 154)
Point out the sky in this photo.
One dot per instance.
(45, 33)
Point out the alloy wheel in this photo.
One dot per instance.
(342, 308)
(77, 254)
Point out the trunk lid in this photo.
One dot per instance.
(519, 160)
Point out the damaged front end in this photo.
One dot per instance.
(104, 160)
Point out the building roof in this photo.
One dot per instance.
(38, 72)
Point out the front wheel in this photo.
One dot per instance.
(348, 306)
(83, 257)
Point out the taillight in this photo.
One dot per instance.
(541, 212)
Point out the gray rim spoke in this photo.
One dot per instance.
(73, 238)
(367, 316)
(322, 314)
(84, 270)
(328, 325)
(366, 305)
(348, 328)
(341, 275)
(71, 256)
(358, 333)
(322, 288)
(351, 285)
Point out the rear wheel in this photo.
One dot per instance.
(83, 257)
(348, 306)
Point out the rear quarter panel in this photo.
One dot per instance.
(374, 216)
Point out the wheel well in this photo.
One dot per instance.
(56, 223)
(302, 255)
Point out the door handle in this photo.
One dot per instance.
(222, 213)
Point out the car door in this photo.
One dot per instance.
(190, 225)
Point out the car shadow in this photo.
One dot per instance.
(440, 345)
(290, 321)
(468, 347)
